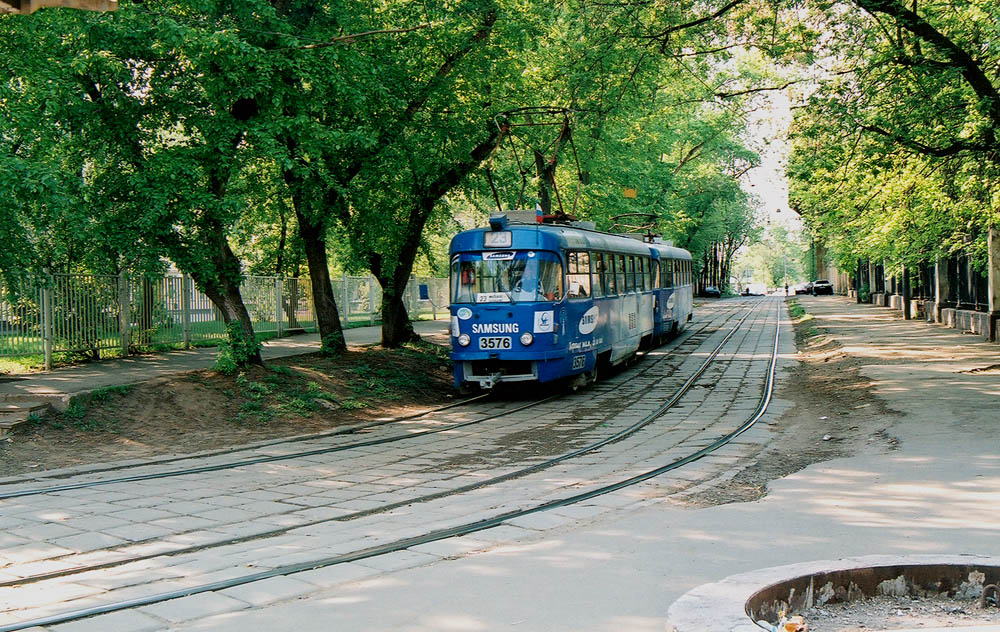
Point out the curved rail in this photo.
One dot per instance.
(440, 534)
(282, 457)
(621, 434)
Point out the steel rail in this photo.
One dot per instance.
(5, 495)
(433, 536)
(355, 428)
(621, 434)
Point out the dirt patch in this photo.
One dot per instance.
(204, 410)
(834, 415)
(892, 613)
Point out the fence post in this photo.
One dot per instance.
(124, 312)
(346, 311)
(278, 315)
(371, 300)
(186, 309)
(47, 322)
(414, 311)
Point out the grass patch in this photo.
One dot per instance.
(101, 395)
(79, 416)
(797, 312)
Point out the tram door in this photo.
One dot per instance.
(627, 338)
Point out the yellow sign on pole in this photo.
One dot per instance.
(631, 193)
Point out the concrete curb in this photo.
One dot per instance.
(721, 606)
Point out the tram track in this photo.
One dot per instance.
(20, 493)
(452, 531)
(617, 436)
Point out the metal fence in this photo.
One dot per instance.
(87, 314)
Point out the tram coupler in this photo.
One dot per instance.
(490, 381)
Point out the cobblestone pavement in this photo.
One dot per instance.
(195, 529)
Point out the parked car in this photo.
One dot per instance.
(711, 292)
(803, 288)
(821, 286)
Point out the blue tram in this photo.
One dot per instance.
(540, 302)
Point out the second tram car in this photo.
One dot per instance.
(540, 302)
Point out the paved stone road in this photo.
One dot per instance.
(305, 508)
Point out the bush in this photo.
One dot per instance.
(332, 344)
(236, 350)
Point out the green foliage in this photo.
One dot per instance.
(795, 309)
(332, 344)
(236, 351)
(895, 155)
(104, 394)
(353, 404)
(776, 256)
(76, 411)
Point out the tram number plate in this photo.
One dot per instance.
(494, 342)
(579, 361)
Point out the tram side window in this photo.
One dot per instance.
(640, 271)
(610, 289)
(621, 276)
(578, 275)
(650, 273)
(666, 273)
(597, 274)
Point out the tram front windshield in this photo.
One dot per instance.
(506, 277)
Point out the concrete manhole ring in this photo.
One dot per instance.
(733, 604)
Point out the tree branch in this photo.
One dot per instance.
(351, 38)
(914, 145)
(974, 75)
(665, 34)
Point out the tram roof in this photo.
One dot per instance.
(558, 237)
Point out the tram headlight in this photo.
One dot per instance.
(527, 339)
(464, 340)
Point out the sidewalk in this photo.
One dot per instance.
(936, 493)
(86, 377)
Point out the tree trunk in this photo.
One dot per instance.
(545, 174)
(397, 328)
(396, 325)
(327, 317)
(225, 294)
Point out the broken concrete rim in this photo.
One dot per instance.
(735, 603)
